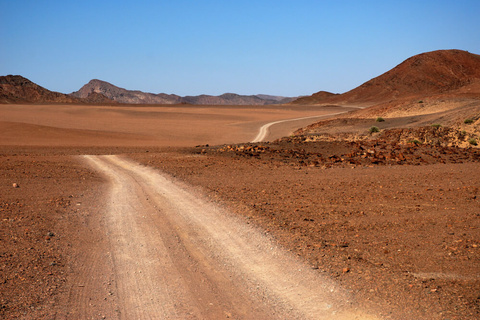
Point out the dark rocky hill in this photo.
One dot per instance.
(17, 89)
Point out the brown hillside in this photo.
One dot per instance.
(17, 89)
(426, 74)
(98, 98)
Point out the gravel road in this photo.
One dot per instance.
(263, 132)
(176, 255)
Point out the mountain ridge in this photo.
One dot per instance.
(122, 95)
(431, 73)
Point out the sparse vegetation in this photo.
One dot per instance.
(468, 121)
(421, 101)
(373, 129)
(473, 142)
(436, 125)
(380, 119)
(414, 141)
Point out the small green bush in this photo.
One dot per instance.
(380, 119)
(421, 101)
(472, 141)
(414, 141)
(468, 121)
(436, 125)
(373, 129)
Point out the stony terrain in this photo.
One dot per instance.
(380, 218)
(395, 232)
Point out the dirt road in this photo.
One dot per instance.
(176, 255)
(264, 130)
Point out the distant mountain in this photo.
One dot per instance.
(236, 99)
(224, 99)
(422, 75)
(279, 99)
(138, 97)
(17, 89)
(316, 97)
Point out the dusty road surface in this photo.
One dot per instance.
(177, 256)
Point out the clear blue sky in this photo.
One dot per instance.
(276, 47)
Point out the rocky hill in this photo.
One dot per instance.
(138, 97)
(426, 74)
(123, 95)
(17, 89)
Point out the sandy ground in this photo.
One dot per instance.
(71, 125)
(394, 240)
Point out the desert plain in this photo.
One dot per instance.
(170, 211)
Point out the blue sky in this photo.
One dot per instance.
(276, 47)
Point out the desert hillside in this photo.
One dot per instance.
(17, 89)
(426, 74)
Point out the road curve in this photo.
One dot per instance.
(263, 131)
(178, 256)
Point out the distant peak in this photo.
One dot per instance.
(95, 81)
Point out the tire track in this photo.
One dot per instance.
(176, 255)
(264, 130)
